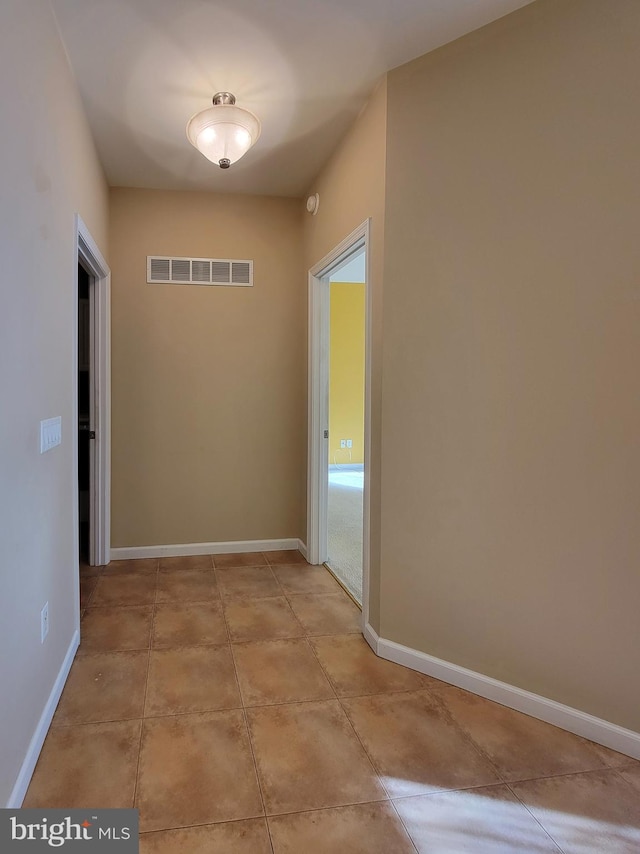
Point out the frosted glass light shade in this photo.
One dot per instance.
(223, 133)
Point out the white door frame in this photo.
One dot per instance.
(318, 447)
(89, 256)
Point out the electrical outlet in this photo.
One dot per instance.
(349, 443)
(343, 443)
(44, 622)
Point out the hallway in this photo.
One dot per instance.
(233, 701)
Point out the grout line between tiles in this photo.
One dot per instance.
(255, 768)
(366, 752)
(617, 771)
(344, 587)
(466, 735)
(93, 590)
(146, 686)
(326, 674)
(370, 758)
(73, 724)
(625, 766)
(320, 700)
(537, 820)
(248, 731)
(288, 596)
(436, 696)
(602, 770)
(328, 809)
(176, 827)
(406, 829)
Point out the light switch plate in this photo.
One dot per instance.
(50, 433)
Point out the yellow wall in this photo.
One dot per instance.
(50, 172)
(352, 189)
(511, 389)
(346, 379)
(209, 383)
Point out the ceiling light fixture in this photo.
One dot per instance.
(224, 132)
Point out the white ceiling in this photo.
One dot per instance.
(305, 67)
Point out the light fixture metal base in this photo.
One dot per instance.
(223, 99)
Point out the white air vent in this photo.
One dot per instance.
(199, 271)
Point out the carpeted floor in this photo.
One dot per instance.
(345, 526)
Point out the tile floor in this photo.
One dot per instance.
(233, 701)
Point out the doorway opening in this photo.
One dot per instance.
(345, 516)
(92, 438)
(85, 434)
(340, 414)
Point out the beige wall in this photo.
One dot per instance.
(352, 188)
(50, 172)
(511, 408)
(209, 397)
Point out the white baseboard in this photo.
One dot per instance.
(372, 638)
(184, 549)
(37, 740)
(595, 729)
(302, 548)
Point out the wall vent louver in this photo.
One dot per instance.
(163, 270)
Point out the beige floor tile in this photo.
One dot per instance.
(240, 559)
(247, 582)
(332, 614)
(92, 765)
(362, 829)
(191, 679)
(132, 567)
(592, 813)
(237, 837)
(187, 585)
(116, 628)
(521, 747)
(303, 578)
(414, 746)
(285, 556)
(189, 623)
(196, 769)
(87, 586)
(355, 670)
(261, 619)
(125, 589)
(279, 671)
(474, 821)
(187, 562)
(106, 686)
(308, 757)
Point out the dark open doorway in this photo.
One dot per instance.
(84, 404)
